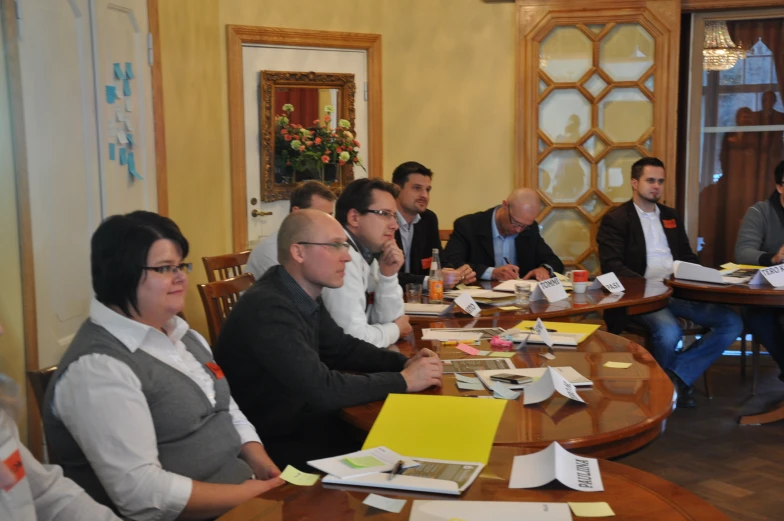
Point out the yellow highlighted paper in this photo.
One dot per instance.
(599, 509)
(733, 266)
(362, 462)
(617, 365)
(297, 477)
(509, 308)
(502, 354)
(567, 328)
(439, 427)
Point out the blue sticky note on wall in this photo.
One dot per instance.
(129, 70)
(111, 94)
(132, 166)
(111, 151)
(118, 72)
(123, 156)
(126, 87)
(130, 139)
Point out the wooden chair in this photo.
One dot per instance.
(688, 327)
(39, 381)
(219, 297)
(444, 235)
(226, 266)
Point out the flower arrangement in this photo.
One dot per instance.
(312, 149)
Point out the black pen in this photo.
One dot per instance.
(507, 260)
(395, 470)
(547, 328)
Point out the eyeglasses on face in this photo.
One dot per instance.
(514, 222)
(336, 247)
(383, 213)
(185, 267)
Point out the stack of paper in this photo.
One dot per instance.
(569, 373)
(488, 511)
(484, 296)
(411, 308)
(448, 428)
(561, 333)
(370, 461)
(470, 365)
(465, 334)
(691, 271)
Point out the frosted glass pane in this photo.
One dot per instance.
(564, 176)
(565, 54)
(626, 52)
(596, 28)
(625, 115)
(595, 85)
(594, 205)
(594, 145)
(591, 263)
(565, 115)
(649, 83)
(567, 233)
(614, 174)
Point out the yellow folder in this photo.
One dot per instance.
(440, 427)
(562, 328)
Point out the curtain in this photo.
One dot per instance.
(747, 158)
(305, 101)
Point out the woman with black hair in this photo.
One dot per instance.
(138, 413)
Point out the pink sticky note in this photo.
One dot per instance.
(468, 349)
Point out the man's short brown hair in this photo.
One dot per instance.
(302, 196)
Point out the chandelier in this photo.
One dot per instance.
(719, 52)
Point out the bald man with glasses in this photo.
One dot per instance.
(369, 304)
(283, 354)
(504, 243)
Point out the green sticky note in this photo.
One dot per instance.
(297, 477)
(502, 354)
(361, 462)
(598, 509)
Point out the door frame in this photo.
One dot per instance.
(236, 37)
(30, 322)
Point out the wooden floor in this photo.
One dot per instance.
(738, 469)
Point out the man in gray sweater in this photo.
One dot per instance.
(284, 355)
(761, 242)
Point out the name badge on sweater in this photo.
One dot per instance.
(669, 223)
(216, 370)
(426, 263)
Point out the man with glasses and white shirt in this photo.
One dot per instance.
(369, 304)
(504, 243)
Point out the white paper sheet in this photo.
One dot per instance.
(423, 510)
(387, 504)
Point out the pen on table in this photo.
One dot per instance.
(395, 470)
(547, 328)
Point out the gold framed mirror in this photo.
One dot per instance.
(307, 131)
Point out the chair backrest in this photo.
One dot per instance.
(219, 297)
(39, 381)
(226, 266)
(444, 235)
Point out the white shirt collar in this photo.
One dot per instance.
(130, 332)
(656, 212)
(401, 221)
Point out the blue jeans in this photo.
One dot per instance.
(766, 326)
(665, 333)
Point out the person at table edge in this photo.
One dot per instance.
(503, 242)
(642, 238)
(761, 243)
(417, 234)
(284, 355)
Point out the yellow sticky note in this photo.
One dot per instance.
(297, 477)
(502, 354)
(599, 509)
(439, 427)
(617, 365)
(508, 308)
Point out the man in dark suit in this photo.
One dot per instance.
(417, 234)
(504, 242)
(642, 238)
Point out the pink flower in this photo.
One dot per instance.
(325, 159)
(288, 137)
(318, 140)
(342, 162)
(302, 148)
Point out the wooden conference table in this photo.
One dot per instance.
(740, 295)
(639, 297)
(634, 495)
(626, 408)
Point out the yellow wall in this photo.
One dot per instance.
(448, 91)
(12, 360)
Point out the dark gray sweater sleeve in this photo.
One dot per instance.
(751, 235)
(282, 345)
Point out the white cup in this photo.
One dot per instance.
(579, 287)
